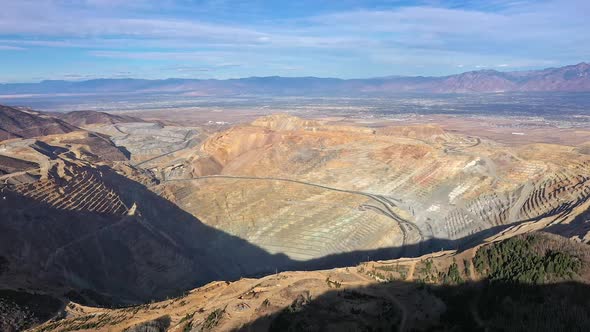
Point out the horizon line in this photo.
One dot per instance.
(279, 76)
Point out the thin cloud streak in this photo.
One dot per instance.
(11, 48)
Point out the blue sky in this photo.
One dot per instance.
(75, 40)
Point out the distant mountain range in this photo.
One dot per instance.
(568, 78)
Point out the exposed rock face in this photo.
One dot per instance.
(90, 146)
(22, 124)
(280, 122)
(430, 133)
(407, 186)
(85, 230)
(154, 253)
(145, 141)
(10, 165)
(78, 189)
(301, 221)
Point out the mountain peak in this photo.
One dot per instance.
(582, 66)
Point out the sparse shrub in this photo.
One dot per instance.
(452, 276)
(301, 301)
(427, 271)
(213, 319)
(403, 275)
(333, 283)
(188, 326)
(187, 317)
(466, 268)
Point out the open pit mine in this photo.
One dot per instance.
(119, 212)
(310, 190)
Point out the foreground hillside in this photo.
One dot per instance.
(528, 282)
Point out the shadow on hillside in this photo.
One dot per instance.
(409, 251)
(106, 259)
(21, 310)
(160, 252)
(398, 305)
(579, 227)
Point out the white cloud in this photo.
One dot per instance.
(209, 56)
(515, 34)
(519, 27)
(434, 27)
(54, 19)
